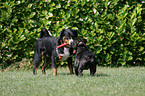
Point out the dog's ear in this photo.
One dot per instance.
(61, 32)
(75, 33)
(60, 39)
(85, 41)
(44, 33)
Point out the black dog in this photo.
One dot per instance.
(84, 59)
(47, 45)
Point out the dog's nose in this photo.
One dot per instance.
(70, 41)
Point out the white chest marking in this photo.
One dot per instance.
(65, 55)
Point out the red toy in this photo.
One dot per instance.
(62, 45)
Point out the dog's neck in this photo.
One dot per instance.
(81, 48)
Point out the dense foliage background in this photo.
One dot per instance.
(114, 29)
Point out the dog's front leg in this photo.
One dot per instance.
(70, 65)
(76, 66)
(80, 70)
(54, 65)
(76, 70)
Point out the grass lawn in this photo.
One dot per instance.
(106, 82)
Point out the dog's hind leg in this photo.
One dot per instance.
(37, 60)
(53, 58)
(35, 68)
(46, 62)
(92, 69)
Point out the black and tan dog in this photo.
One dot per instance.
(84, 59)
(46, 46)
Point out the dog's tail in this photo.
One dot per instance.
(44, 33)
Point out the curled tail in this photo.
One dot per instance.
(44, 33)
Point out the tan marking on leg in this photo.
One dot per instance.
(54, 72)
(36, 71)
(71, 70)
(43, 70)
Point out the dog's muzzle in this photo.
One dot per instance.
(71, 41)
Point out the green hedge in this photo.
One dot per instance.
(114, 28)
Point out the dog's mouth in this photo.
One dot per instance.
(68, 40)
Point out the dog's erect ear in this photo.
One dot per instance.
(85, 41)
(75, 33)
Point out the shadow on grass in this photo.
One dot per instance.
(64, 74)
(96, 75)
(101, 75)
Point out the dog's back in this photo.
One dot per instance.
(84, 59)
(39, 43)
(88, 57)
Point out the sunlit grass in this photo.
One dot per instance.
(107, 81)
